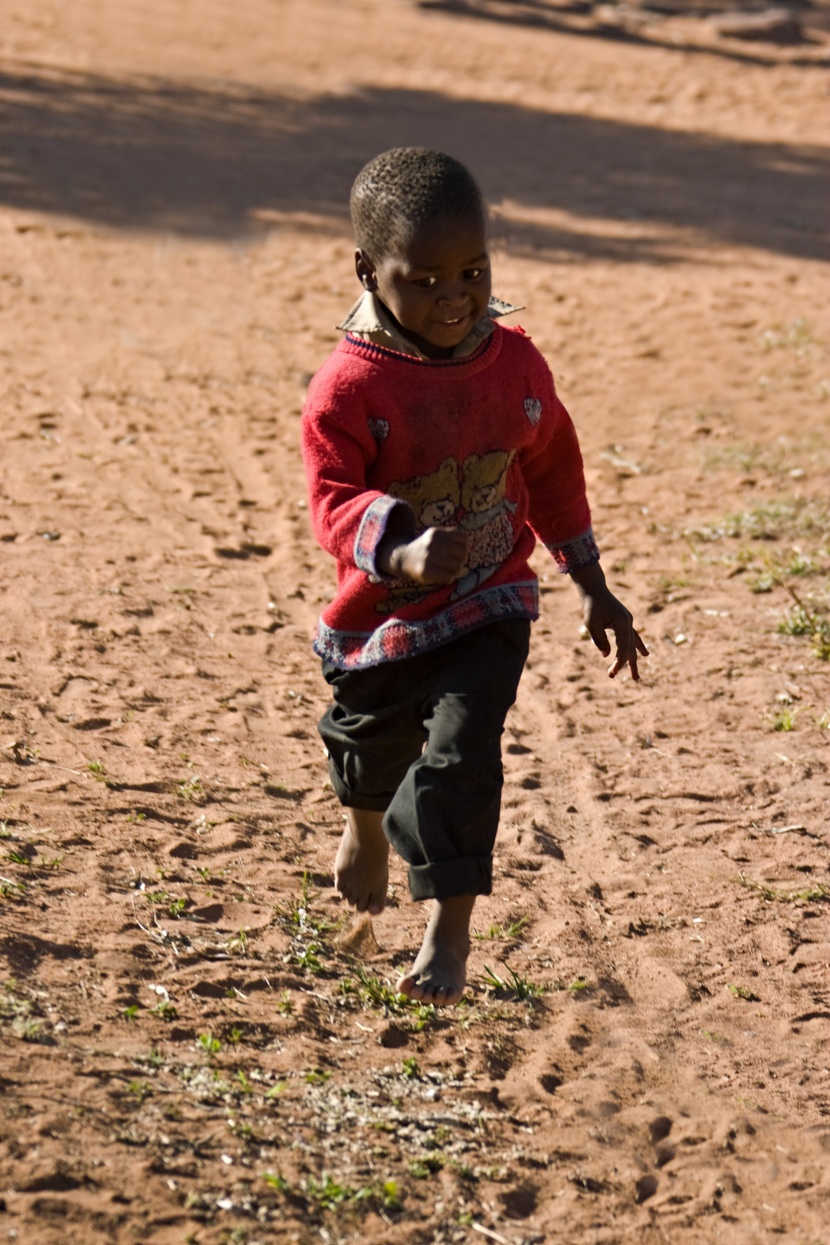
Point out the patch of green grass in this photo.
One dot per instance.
(96, 769)
(812, 621)
(328, 1194)
(166, 1010)
(773, 569)
(316, 1076)
(770, 520)
(174, 905)
(275, 1180)
(524, 990)
(209, 1044)
(301, 917)
(742, 992)
(506, 931)
(237, 944)
(308, 930)
(772, 893)
(668, 585)
(797, 622)
(244, 1083)
(784, 718)
(373, 992)
(794, 335)
(427, 1166)
(308, 959)
(27, 1029)
(191, 789)
(11, 889)
(153, 1059)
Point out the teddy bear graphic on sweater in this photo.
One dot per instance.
(485, 517)
(471, 497)
(434, 500)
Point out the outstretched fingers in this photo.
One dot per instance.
(629, 646)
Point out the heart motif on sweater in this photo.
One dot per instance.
(379, 429)
(533, 410)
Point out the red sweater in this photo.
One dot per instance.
(482, 443)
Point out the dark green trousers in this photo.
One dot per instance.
(420, 741)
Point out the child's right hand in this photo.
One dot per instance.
(437, 556)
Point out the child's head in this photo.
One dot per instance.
(403, 189)
(421, 236)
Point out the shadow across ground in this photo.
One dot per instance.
(585, 19)
(203, 160)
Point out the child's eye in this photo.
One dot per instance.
(473, 274)
(426, 283)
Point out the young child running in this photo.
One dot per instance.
(437, 452)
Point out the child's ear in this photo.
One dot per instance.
(365, 270)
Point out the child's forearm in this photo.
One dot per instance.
(400, 530)
(589, 579)
(389, 553)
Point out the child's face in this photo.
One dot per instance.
(437, 283)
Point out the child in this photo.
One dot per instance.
(437, 452)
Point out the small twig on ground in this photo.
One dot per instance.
(796, 829)
(489, 1233)
(811, 618)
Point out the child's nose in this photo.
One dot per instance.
(452, 296)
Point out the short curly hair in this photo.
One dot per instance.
(402, 189)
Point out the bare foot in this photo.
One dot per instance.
(439, 973)
(361, 867)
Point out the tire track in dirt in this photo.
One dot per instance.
(611, 914)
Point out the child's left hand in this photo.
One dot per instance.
(602, 612)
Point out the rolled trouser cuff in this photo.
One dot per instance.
(356, 799)
(445, 879)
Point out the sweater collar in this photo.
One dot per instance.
(369, 320)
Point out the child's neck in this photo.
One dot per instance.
(424, 348)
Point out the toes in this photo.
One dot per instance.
(443, 996)
(427, 992)
(410, 987)
(377, 902)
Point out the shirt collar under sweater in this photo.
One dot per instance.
(370, 321)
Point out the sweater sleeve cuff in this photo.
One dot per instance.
(373, 528)
(572, 555)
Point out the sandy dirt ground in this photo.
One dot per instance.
(199, 1043)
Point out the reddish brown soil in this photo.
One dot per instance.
(199, 1044)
